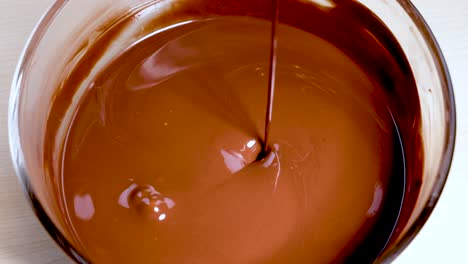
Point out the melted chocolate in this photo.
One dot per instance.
(160, 161)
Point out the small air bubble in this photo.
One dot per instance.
(146, 202)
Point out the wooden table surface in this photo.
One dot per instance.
(444, 239)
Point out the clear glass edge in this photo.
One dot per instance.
(450, 106)
(16, 151)
(20, 169)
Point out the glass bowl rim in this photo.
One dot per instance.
(17, 156)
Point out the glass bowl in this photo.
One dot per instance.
(70, 27)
